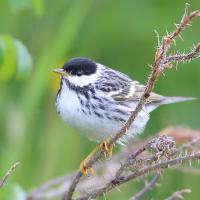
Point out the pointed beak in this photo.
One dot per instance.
(61, 71)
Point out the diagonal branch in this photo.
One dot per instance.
(147, 188)
(178, 194)
(8, 173)
(157, 68)
(186, 19)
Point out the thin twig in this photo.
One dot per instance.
(184, 57)
(40, 192)
(157, 69)
(131, 157)
(8, 173)
(178, 194)
(147, 188)
(190, 144)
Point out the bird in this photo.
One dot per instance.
(98, 100)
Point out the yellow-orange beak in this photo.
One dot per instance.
(61, 71)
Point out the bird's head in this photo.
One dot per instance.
(79, 71)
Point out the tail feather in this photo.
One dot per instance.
(169, 100)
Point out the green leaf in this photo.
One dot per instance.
(8, 57)
(15, 60)
(24, 61)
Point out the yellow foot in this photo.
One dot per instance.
(88, 171)
(83, 167)
(104, 146)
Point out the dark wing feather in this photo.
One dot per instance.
(121, 88)
(134, 92)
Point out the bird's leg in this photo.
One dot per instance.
(83, 167)
(104, 146)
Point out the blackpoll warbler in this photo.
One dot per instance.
(98, 100)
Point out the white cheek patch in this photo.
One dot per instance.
(83, 80)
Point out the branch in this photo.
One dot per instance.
(178, 194)
(8, 173)
(157, 68)
(45, 191)
(161, 145)
(147, 188)
(190, 144)
(164, 146)
(134, 157)
(184, 57)
(141, 172)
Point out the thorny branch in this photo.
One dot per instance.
(154, 156)
(140, 173)
(161, 61)
(142, 167)
(184, 57)
(8, 173)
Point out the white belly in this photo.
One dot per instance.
(95, 128)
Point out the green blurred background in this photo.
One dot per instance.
(38, 35)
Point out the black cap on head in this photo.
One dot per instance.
(80, 66)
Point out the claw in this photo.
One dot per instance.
(88, 171)
(104, 146)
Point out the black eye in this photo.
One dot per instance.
(79, 73)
